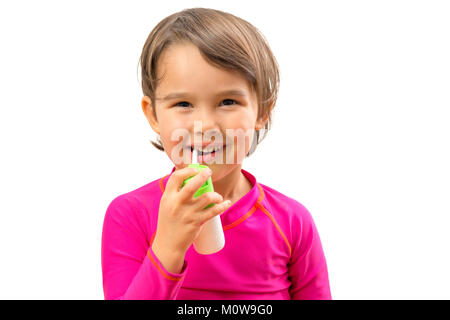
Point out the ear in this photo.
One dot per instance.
(262, 122)
(150, 114)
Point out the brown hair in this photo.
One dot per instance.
(225, 41)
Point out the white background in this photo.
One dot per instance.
(360, 136)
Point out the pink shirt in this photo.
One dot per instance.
(272, 251)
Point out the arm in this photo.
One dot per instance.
(131, 269)
(307, 267)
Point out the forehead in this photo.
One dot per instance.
(183, 68)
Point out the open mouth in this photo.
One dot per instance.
(208, 153)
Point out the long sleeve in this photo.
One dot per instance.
(131, 271)
(308, 268)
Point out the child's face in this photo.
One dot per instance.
(202, 113)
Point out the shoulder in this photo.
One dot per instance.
(136, 204)
(292, 216)
(295, 220)
(283, 206)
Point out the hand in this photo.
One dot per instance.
(181, 216)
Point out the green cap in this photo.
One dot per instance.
(206, 187)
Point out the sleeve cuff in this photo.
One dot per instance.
(166, 274)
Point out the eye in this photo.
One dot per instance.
(182, 104)
(229, 100)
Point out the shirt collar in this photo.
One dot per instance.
(241, 209)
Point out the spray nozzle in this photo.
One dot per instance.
(194, 159)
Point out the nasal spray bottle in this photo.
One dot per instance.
(211, 238)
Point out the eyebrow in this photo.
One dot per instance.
(175, 95)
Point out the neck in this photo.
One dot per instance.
(233, 186)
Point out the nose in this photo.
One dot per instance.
(205, 124)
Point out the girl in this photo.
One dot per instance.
(208, 67)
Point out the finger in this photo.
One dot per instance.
(207, 198)
(210, 213)
(191, 187)
(178, 176)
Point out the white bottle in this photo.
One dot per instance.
(211, 238)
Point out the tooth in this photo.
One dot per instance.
(208, 149)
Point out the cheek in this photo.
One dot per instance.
(174, 135)
(243, 127)
(241, 135)
(172, 130)
(240, 145)
(243, 120)
(175, 148)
